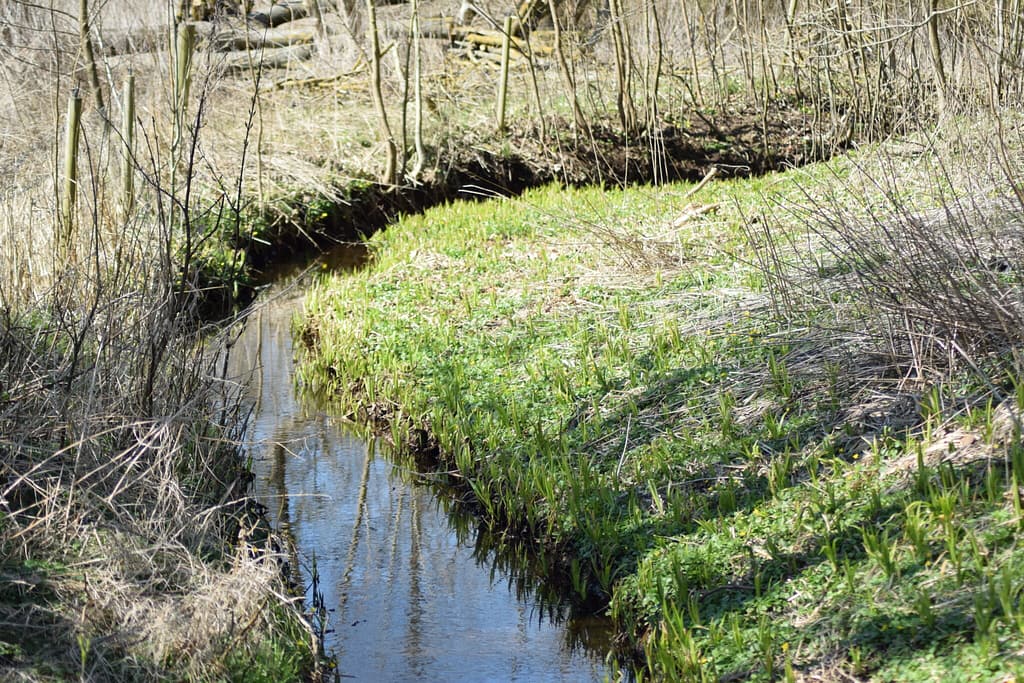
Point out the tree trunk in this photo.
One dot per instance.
(390, 151)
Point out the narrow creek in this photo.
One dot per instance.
(412, 589)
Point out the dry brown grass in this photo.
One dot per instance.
(130, 548)
(932, 269)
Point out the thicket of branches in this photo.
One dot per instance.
(858, 69)
(129, 549)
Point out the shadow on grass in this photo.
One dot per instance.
(33, 636)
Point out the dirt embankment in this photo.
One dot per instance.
(739, 143)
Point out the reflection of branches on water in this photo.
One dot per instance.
(531, 575)
(395, 525)
(247, 365)
(533, 579)
(278, 485)
(265, 351)
(357, 526)
(235, 412)
(258, 368)
(414, 651)
(279, 489)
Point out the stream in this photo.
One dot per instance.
(411, 587)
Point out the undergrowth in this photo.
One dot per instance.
(129, 550)
(129, 546)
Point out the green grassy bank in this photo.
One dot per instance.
(689, 400)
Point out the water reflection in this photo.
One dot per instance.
(413, 592)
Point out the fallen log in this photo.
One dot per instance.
(214, 36)
(157, 38)
(267, 58)
(539, 42)
(483, 37)
(300, 32)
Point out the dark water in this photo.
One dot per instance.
(411, 591)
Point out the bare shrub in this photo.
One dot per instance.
(936, 281)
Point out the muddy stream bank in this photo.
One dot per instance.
(411, 588)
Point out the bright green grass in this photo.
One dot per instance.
(682, 452)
